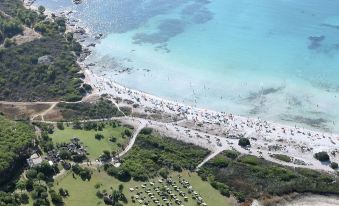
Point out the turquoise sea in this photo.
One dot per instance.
(275, 59)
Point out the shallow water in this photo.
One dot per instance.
(277, 60)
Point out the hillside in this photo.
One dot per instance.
(43, 69)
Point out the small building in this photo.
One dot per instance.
(34, 160)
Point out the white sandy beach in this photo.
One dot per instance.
(267, 137)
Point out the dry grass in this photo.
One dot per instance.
(22, 111)
(27, 35)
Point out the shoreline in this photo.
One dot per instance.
(298, 142)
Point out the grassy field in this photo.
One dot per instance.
(84, 192)
(94, 146)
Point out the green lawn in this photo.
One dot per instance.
(94, 146)
(84, 193)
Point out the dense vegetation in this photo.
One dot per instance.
(103, 108)
(11, 6)
(152, 154)
(8, 199)
(43, 69)
(251, 177)
(15, 139)
(39, 184)
(9, 28)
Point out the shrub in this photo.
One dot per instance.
(164, 172)
(128, 133)
(24, 199)
(56, 198)
(8, 43)
(244, 142)
(79, 157)
(65, 154)
(63, 192)
(85, 174)
(118, 172)
(99, 194)
(232, 154)
(99, 136)
(77, 124)
(87, 87)
(282, 157)
(60, 126)
(146, 131)
(106, 155)
(252, 160)
(322, 156)
(76, 169)
(219, 161)
(224, 189)
(41, 9)
(334, 165)
(239, 196)
(90, 125)
(113, 139)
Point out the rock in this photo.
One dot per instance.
(45, 60)
(91, 45)
(98, 36)
(80, 31)
(77, 1)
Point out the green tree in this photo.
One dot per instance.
(21, 185)
(99, 136)
(8, 43)
(41, 9)
(24, 198)
(164, 172)
(106, 155)
(55, 197)
(65, 154)
(40, 176)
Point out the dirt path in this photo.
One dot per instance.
(43, 113)
(142, 125)
(208, 158)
